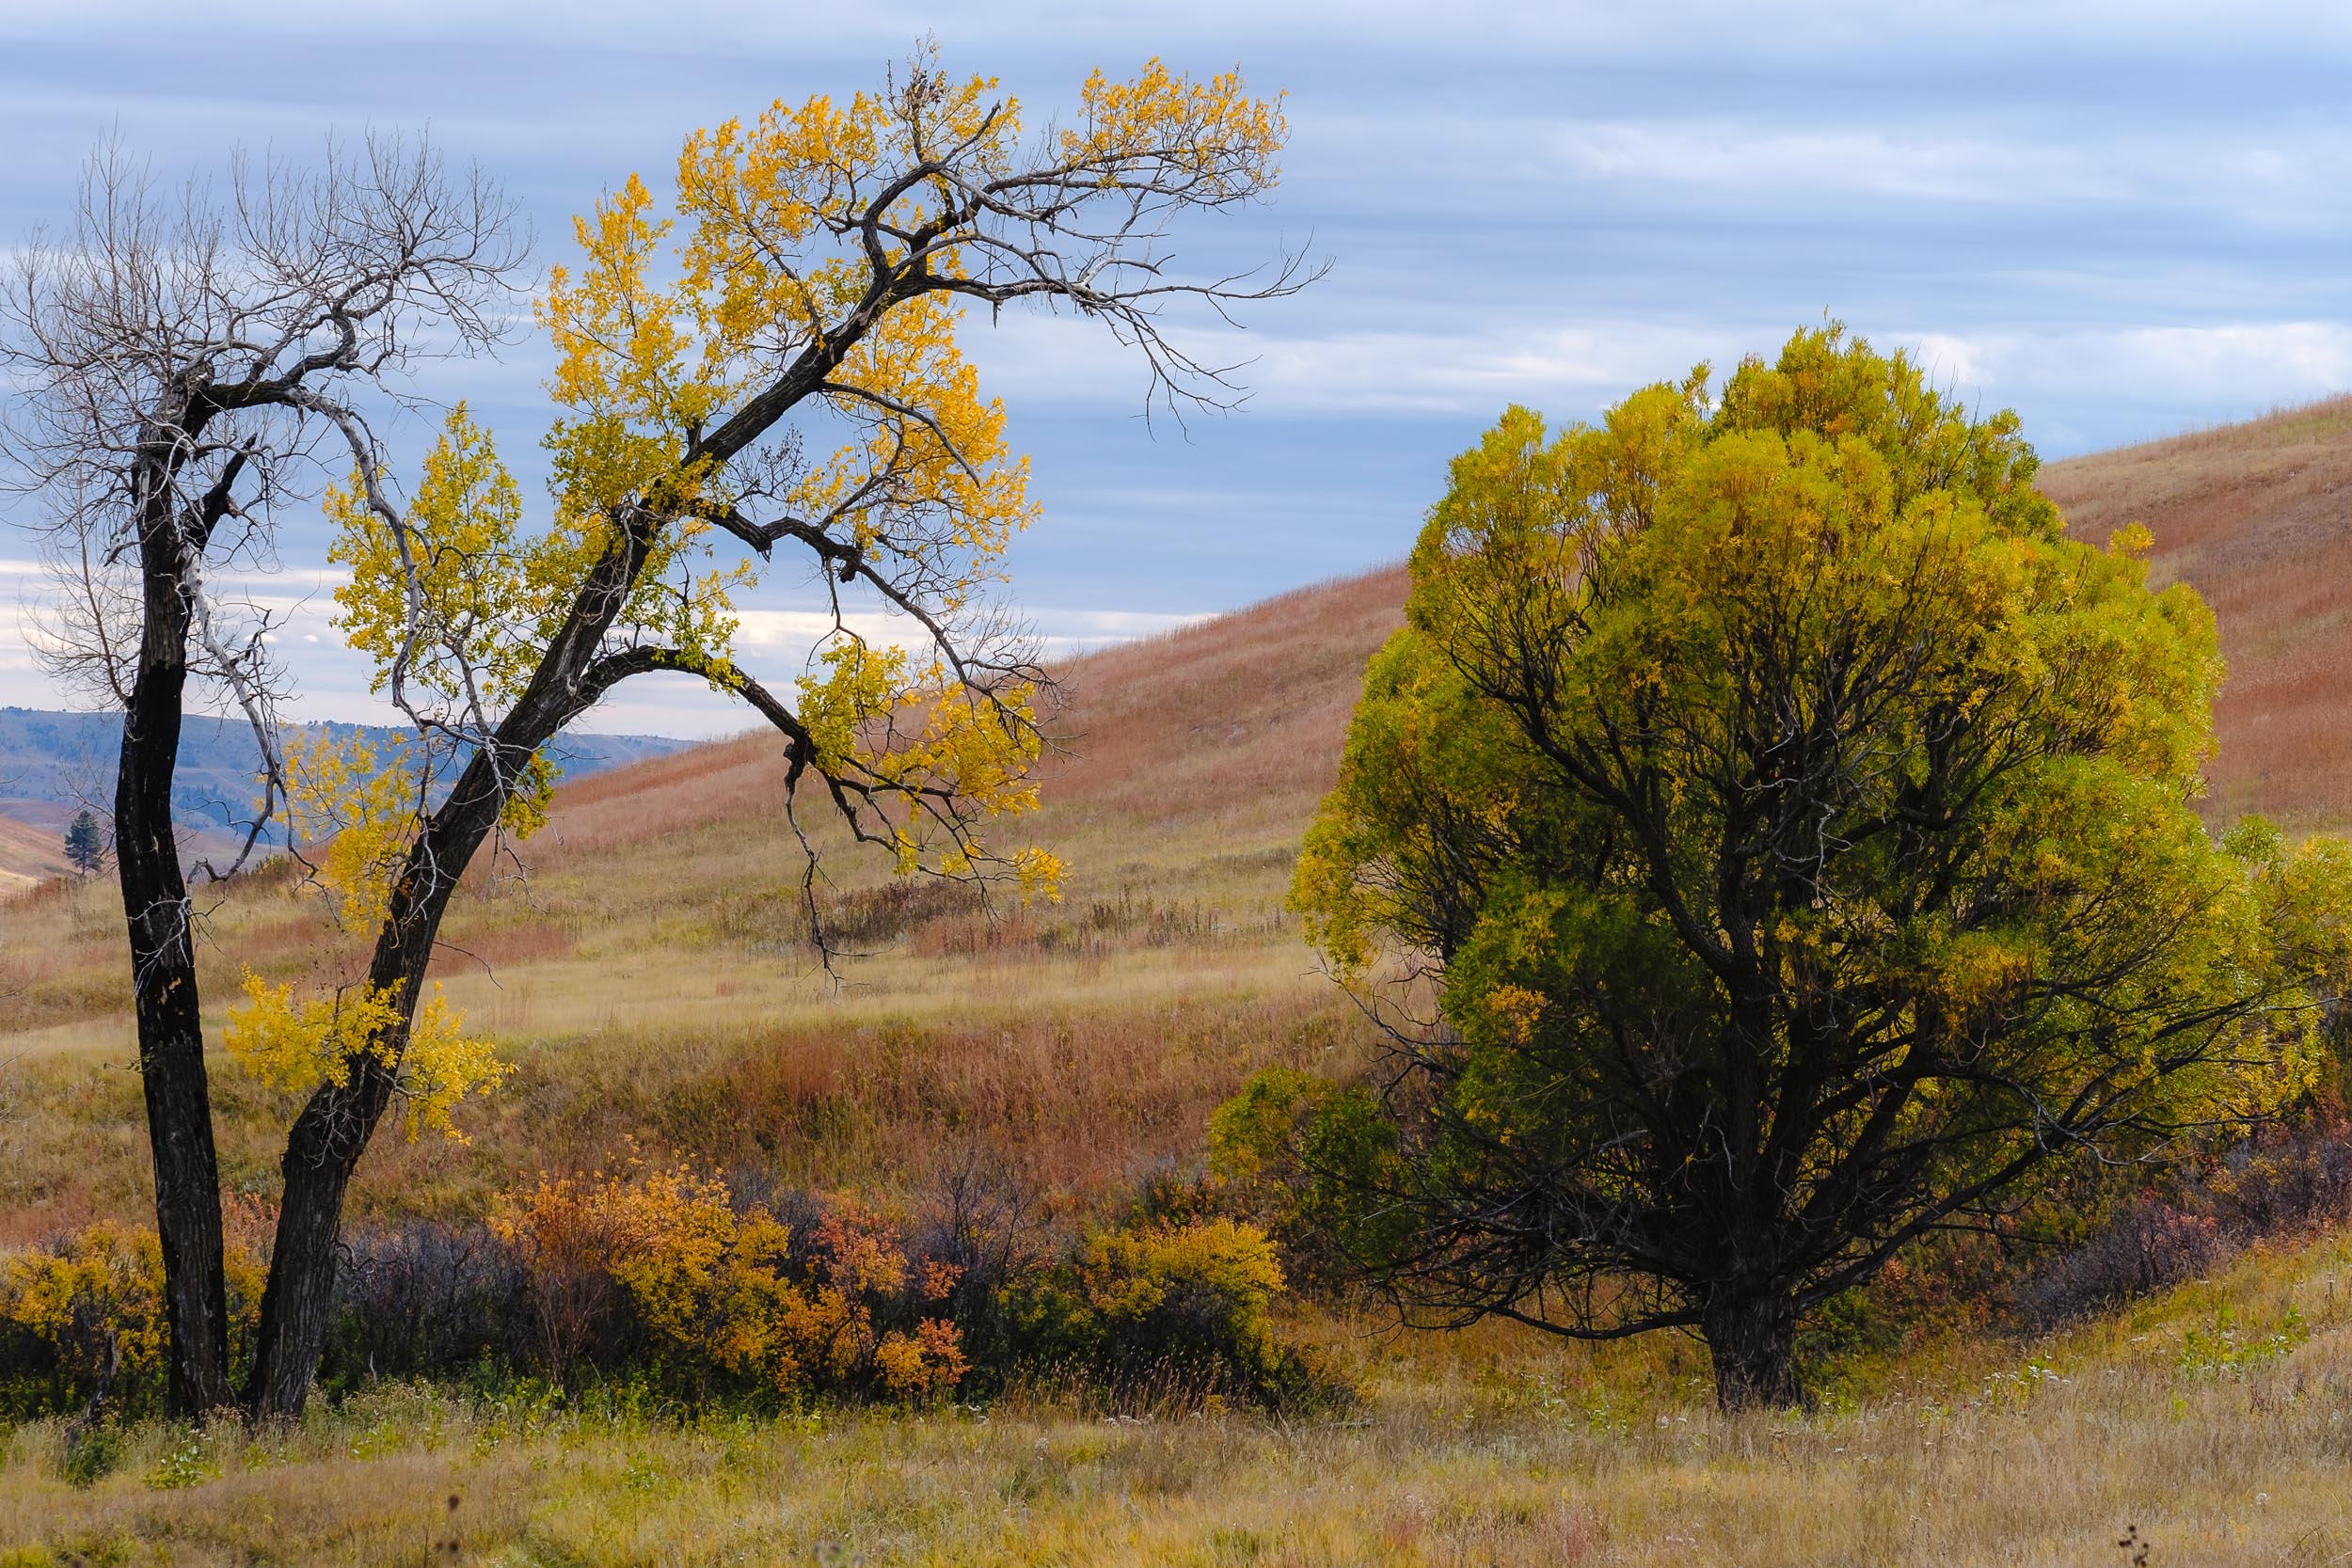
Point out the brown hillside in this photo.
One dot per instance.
(1229, 728)
(2258, 517)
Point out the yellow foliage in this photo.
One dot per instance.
(106, 1283)
(300, 1046)
(719, 1291)
(94, 1302)
(1129, 1273)
(361, 806)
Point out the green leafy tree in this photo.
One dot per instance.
(1788, 832)
(85, 844)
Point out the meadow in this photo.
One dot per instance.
(2196, 1421)
(644, 969)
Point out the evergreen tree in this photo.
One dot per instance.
(84, 844)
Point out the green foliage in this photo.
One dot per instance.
(85, 843)
(1182, 1309)
(2227, 1351)
(89, 1452)
(187, 1464)
(1798, 826)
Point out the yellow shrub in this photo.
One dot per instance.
(1168, 1306)
(83, 1318)
(1129, 1273)
(657, 1261)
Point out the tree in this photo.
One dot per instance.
(85, 844)
(1793, 828)
(786, 374)
(175, 361)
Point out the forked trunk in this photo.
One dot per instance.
(321, 1155)
(1752, 1342)
(334, 1128)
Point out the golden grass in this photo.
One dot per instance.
(1486, 1449)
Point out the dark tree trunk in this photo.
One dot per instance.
(333, 1130)
(163, 968)
(321, 1153)
(1752, 1342)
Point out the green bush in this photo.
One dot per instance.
(1182, 1309)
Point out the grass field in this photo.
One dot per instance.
(1473, 1450)
(646, 978)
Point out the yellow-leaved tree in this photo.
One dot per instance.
(767, 368)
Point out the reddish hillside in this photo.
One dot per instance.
(2258, 517)
(1230, 727)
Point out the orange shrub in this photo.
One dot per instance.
(655, 1265)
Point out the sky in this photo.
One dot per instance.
(2122, 220)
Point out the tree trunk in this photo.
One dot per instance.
(321, 1153)
(334, 1128)
(1753, 1341)
(170, 1023)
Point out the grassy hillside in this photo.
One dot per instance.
(2258, 516)
(648, 977)
(644, 971)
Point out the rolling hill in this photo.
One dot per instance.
(641, 971)
(53, 764)
(645, 967)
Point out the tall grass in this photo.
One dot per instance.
(1485, 1449)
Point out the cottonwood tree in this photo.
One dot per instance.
(176, 358)
(1794, 828)
(771, 370)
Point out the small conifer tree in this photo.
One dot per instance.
(85, 844)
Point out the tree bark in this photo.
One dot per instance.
(333, 1130)
(297, 1307)
(1753, 1341)
(162, 967)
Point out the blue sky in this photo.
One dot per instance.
(2121, 219)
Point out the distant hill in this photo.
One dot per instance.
(53, 764)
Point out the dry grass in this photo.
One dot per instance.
(2255, 516)
(648, 977)
(1481, 1449)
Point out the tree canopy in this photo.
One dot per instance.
(1771, 838)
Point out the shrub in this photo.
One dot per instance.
(2149, 1247)
(1174, 1309)
(1252, 1140)
(2287, 1180)
(425, 1300)
(82, 1322)
(656, 1266)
